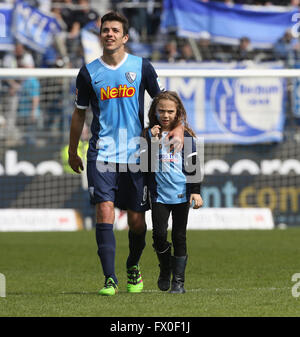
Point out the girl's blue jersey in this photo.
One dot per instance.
(116, 96)
(168, 181)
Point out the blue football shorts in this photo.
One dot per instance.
(109, 182)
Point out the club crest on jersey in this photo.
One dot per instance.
(131, 76)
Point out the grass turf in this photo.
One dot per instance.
(229, 273)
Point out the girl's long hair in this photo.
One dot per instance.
(181, 116)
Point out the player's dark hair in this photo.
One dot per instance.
(181, 116)
(115, 16)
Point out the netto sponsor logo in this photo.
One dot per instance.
(116, 92)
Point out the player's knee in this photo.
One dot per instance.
(137, 228)
(105, 212)
(136, 222)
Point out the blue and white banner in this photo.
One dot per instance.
(228, 23)
(235, 111)
(6, 38)
(296, 95)
(34, 28)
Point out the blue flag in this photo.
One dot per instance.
(6, 38)
(34, 28)
(227, 23)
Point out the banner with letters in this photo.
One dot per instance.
(236, 111)
(6, 37)
(296, 95)
(261, 191)
(263, 25)
(32, 27)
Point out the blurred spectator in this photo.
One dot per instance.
(58, 52)
(68, 15)
(81, 18)
(12, 59)
(153, 17)
(186, 53)
(53, 93)
(10, 89)
(137, 17)
(86, 14)
(143, 16)
(170, 52)
(286, 49)
(204, 46)
(29, 118)
(244, 50)
(68, 41)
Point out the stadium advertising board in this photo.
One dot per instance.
(255, 191)
(215, 218)
(39, 220)
(240, 177)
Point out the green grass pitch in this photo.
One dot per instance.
(229, 273)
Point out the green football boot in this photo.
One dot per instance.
(134, 280)
(110, 288)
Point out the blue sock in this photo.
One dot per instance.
(106, 249)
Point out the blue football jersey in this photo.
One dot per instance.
(116, 96)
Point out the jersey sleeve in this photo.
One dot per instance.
(83, 89)
(151, 80)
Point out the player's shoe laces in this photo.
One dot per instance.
(110, 288)
(134, 280)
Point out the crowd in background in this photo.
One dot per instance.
(22, 98)
(145, 36)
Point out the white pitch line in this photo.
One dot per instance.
(226, 289)
(190, 290)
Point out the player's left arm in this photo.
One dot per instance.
(192, 170)
(150, 79)
(176, 138)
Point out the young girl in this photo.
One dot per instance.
(169, 190)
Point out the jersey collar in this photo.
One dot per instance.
(112, 67)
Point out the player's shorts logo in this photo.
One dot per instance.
(91, 191)
(131, 76)
(145, 192)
